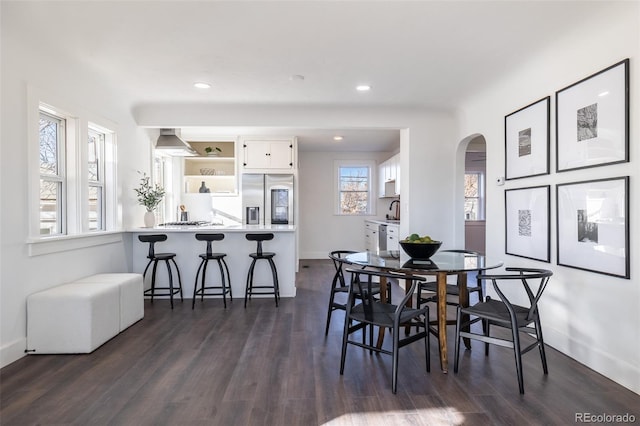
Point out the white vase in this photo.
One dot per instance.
(149, 219)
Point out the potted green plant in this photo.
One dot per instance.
(149, 196)
(212, 151)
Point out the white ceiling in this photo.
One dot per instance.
(309, 140)
(430, 54)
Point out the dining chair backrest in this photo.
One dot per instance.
(362, 282)
(525, 276)
(338, 258)
(384, 314)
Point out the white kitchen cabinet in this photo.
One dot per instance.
(389, 177)
(381, 180)
(268, 154)
(393, 232)
(397, 181)
(371, 237)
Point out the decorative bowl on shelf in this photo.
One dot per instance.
(420, 250)
(207, 171)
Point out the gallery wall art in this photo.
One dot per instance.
(592, 120)
(593, 225)
(526, 138)
(527, 217)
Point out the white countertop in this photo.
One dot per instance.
(218, 228)
(384, 221)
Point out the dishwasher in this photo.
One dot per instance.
(382, 239)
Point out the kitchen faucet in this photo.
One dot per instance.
(397, 215)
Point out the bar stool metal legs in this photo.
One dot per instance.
(154, 258)
(261, 255)
(225, 286)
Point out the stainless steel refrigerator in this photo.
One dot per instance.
(267, 199)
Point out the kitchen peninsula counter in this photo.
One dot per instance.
(181, 240)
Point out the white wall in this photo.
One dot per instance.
(23, 66)
(427, 151)
(320, 230)
(591, 317)
(424, 207)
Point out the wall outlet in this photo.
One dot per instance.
(500, 181)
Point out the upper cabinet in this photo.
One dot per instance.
(211, 172)
(389, 177)
(268, 155)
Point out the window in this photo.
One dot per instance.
(52, 175)
(354, 188)
(474, 196)
(162, 174)
(95, 176)
(72, 173)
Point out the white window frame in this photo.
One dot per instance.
(76, 183)
(99, 183)
(58, 178)
(371, 165)
(480, 197)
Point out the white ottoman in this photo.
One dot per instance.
(72, 318)
(131, 294)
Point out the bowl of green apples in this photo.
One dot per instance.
(418, 247)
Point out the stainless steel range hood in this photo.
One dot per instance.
(170, 142)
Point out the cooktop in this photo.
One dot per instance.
(186, 223)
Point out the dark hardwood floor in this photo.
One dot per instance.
(273, 366)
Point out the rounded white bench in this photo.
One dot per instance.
(79, 317)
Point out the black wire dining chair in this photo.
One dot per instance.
(372, 313)
(519, 319)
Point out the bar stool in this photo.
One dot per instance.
(258, 255)
(221, 290)
(155, 258)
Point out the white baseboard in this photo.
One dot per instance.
(620, 371)
(12, 352)
(314, 255)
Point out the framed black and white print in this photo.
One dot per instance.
(592, 120)
(526, 139)
(593, 225)
(527, 219)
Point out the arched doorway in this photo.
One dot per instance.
(472, 175)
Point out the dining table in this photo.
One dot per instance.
(441, 265)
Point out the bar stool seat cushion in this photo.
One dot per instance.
(164, 256)
(263, 255)
(212, 256)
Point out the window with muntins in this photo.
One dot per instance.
(75, 174)
(354, 188)
(52, 175)
(474, 196)
(95, 176)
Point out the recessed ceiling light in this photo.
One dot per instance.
(201, 85)
(337, 138)
(363, 88)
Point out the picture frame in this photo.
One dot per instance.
(592, 120)
(527, 222)
(593, 225)
(526, 140)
